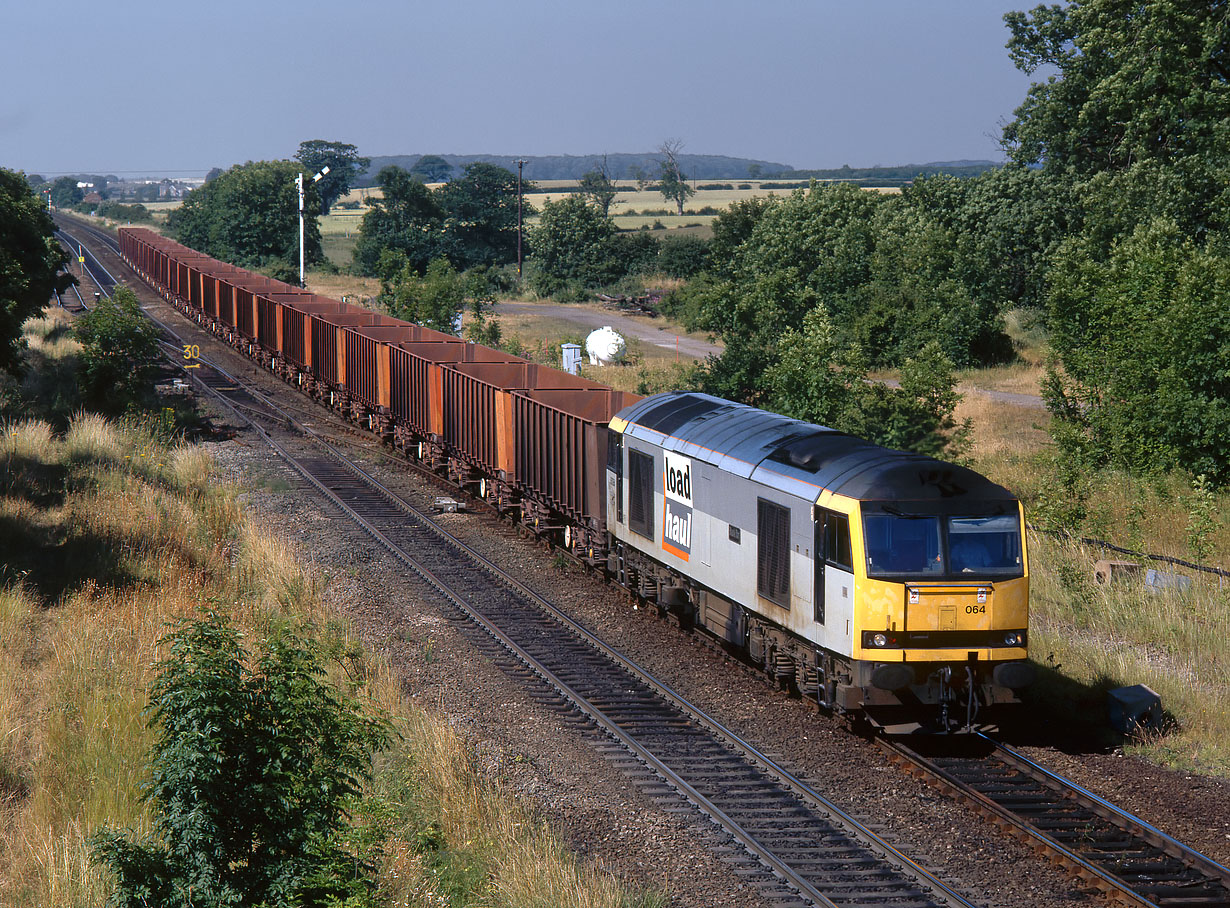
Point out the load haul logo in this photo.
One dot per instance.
(677, 505)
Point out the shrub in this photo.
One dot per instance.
(119, 350)
(683, 256)
(253, 772)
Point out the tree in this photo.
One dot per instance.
(253, 771)
(1004, 224)
(820, 378)
(343, 161)
(406, 218)
(249, 216)
(596, 186)
(816, 378)
(672, 181)
(65, 193)
(431, 168)
(30, 262)
(733, 227)
(1143, 339)
(434, 300)
(813, 248)
(570, 245)
(119, 352)
(1138, 112)
(915, 295)
(480, 209)
(214, 173)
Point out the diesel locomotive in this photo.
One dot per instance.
(878, 583)
(874, 581)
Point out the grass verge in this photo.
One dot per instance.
(1093, 637)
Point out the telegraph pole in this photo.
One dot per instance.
(520, 164)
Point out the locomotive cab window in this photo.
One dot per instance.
(985, 545)
(773, 552)
(934, 546)
(903, 545)
(640, 493)
(837, 541)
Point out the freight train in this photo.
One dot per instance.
(880, 584)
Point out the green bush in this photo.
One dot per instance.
(683, 256)
(119, 353)
(254, 769)
(1143, 338)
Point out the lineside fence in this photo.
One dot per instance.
(1221, 573)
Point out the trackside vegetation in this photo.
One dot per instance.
(147, 628)
(30, 262)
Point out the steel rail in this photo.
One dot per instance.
(1176, 876)
(89, 256)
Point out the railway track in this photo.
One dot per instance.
(1107, 848)
(797, 847)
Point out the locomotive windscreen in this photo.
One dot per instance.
(934, 546)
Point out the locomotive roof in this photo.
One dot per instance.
(799, 457)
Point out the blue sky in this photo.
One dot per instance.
(176, 88)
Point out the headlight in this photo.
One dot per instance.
(879, 640)
(1012, 638)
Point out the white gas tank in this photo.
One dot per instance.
(605, 346)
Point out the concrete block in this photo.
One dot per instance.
(1133, 709)
(1164, 580)
(1107, 571)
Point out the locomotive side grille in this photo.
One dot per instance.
(640, 493)
(773, 552)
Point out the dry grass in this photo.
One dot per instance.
(1108, 635)
(1015, 378)
(432, 775)
(76, 660)
(29, 439)
(91, 437)
(50, 335)
(358, 290)
(1002, 429)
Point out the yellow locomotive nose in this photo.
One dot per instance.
(949, 607)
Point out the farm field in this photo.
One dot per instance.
(632, 209)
